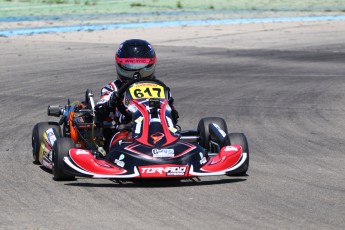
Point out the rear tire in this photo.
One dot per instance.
(37, 137)
(204, 132)
(61, 149)
(238, 139)
(87, 99)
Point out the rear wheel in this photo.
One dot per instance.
(238, 139)
(61, 149)
(87, 98)
(37, 136)
(204, 131)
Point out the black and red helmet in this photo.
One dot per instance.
(135, 58)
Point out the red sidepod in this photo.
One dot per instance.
(228, 157)
(86, 160)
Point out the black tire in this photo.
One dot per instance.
(87, 99)
(239, 139)
(61, 148)
(37, 137)
(204, 132)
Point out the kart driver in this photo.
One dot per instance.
(134, 59)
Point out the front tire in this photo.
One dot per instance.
(204, 131)
(37, 137)
(238, 139)
(61, 149)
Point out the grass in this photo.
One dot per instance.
(60, 7)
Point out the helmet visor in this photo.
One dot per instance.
(135, 63)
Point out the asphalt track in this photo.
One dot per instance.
(288, 99)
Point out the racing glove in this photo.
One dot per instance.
(101, 110)
(114, 100)
(175, 115)
(174, 112)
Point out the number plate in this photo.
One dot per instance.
(147, 90)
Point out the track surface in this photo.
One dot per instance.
(287, 97)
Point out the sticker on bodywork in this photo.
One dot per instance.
(147, 90)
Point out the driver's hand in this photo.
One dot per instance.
(114, 100)
(175, 115)
(101, 110)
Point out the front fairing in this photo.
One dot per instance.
(131, 155)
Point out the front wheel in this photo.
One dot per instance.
(204, 131)
(238, 139)
(61, 149)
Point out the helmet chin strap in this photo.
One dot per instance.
(136, 75)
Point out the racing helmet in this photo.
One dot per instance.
(135, 58)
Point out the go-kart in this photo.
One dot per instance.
(151, 145)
